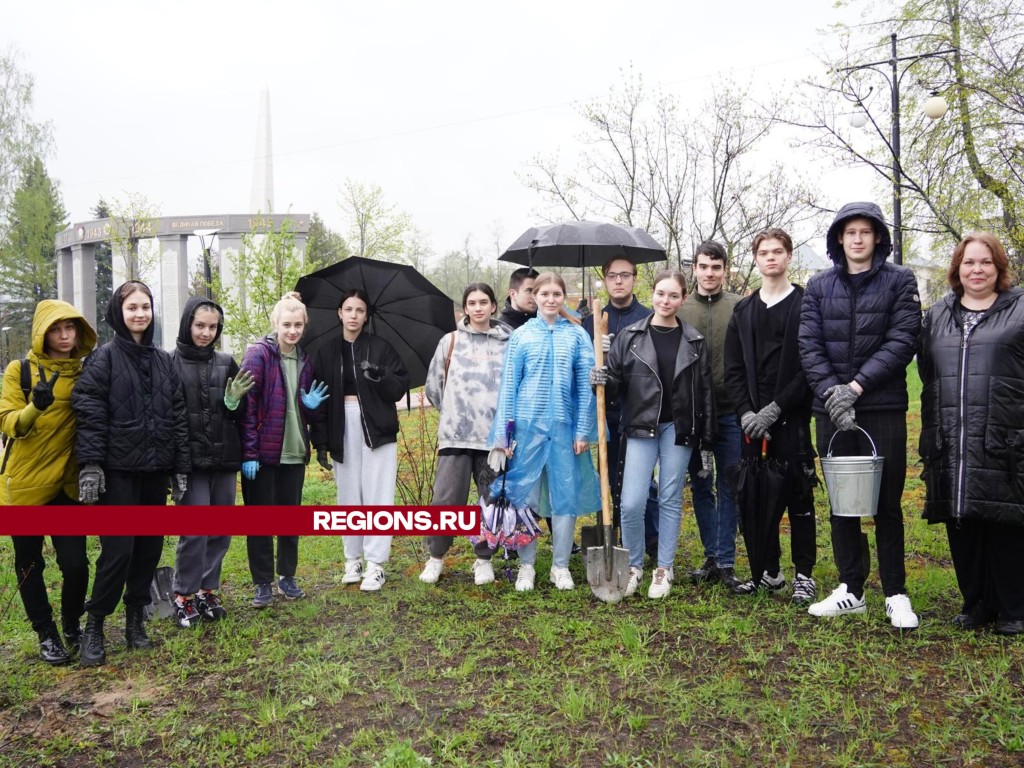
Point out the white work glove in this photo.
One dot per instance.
(606, 341)
(599, 376)
(497, 459)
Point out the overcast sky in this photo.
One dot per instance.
(443, 104)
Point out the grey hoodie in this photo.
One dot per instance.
(468, 397)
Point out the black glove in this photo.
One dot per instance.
(372, 371)
(42, 393)
(323, 459)
(91, 483)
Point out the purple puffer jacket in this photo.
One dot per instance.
(265, 406)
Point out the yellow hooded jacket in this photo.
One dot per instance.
(42, 462)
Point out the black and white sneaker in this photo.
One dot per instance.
(210, 607)
(804, 590)
(839, 603)
(185, 613)
(773, 583)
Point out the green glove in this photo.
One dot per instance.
(236, 388)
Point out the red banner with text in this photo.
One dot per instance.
(323, 520)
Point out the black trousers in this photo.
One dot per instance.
(127, 563)
(888, 429)
(279, 484)
(74, 569)
(987, 558)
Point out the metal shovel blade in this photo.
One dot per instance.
(608, 583)
(590, 536)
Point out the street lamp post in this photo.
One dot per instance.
(206, 243)
(935, 107)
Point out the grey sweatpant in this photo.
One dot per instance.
(451, 486)
(198, 559)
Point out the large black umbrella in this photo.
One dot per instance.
(406, 309)
(582, 244)
(760, 482)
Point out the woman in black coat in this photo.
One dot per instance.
(131, 443)
(972, 431)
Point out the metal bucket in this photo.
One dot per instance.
(853, 482)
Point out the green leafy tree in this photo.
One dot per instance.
(960, 172)
(324, 246)
(683, 177)
(133, 219)
(377, 228)
(22, 139)
(104, 277)
(28, 262)
(264, 269)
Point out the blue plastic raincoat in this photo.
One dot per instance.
(545, 389)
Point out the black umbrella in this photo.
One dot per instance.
(406, 309)
(582, 244)
(760, 482)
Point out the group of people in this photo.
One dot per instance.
(693, 385)
(128, 424)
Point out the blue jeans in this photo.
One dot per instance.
(563, 529)
(641, 456)
(716, 517)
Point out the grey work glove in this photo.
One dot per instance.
(838, 399)
(496, 460)
(846, 420)
(707, 464)
(236, 389)
(599, 376)
(91, 483)
(323, 459)
(179, 484)
(747, 422)
(42, 392)
(764, 419)
(606, 341)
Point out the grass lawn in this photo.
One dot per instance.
(459, 675)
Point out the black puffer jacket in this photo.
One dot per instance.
(972, 412)
(213, 435)
(865, 330)
(376, 399)
(130, 407)
(633, 375)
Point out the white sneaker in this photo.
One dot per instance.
(773, 583)
(839, 603)
(661, 583)
(526, 578)
(374, 578)
(561, 578)
(432, 570)
(483, 572)
(898, 609)
(635, 577)
(353, 572)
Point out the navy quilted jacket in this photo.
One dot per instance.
(865, 331)
(266, 404)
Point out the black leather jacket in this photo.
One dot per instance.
(633, 375)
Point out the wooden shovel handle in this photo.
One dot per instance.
(600, 325)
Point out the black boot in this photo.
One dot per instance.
(72, 634)
(92, 653)
(51, 649)
(135, 636)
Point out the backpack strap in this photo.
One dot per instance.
(448, 359)
(26, 379)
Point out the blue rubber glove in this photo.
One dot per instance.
(316, 395)
(249, 469)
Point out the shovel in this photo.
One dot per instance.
(607, 565)
(592, 535)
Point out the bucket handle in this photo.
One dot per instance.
(874, 451)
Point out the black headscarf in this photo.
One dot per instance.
(115, 315)
(187, 347)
